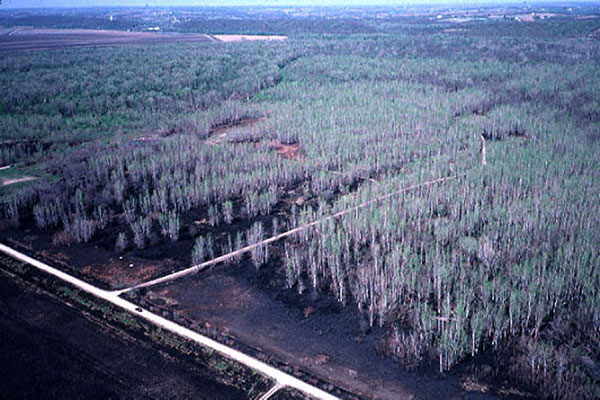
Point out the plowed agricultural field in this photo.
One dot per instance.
(22, 39)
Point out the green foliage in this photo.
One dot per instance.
(504, 256)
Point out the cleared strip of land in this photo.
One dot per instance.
(280, 377)
(236, 253)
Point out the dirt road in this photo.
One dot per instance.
(283, 379)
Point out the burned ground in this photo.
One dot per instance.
(52, 350)
(310, 332)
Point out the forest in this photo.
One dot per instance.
(200, 149)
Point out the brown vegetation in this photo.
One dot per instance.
(288, 151)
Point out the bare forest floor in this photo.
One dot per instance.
(310, 332)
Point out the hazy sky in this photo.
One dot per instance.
(174, 3)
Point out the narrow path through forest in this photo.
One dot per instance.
(236, 253)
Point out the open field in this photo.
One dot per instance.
(396, 203)
(27, 39)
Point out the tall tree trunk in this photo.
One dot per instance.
(483, 159)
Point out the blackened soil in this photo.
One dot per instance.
(288, 394)
(49, 350)
(311, 331)
(88, 261)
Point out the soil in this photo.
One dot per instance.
(52, 351)
(91, 261)
(288, 151)
(288, 394)
(311, 332)
(46, 39)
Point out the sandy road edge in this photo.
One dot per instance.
(280, 377)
